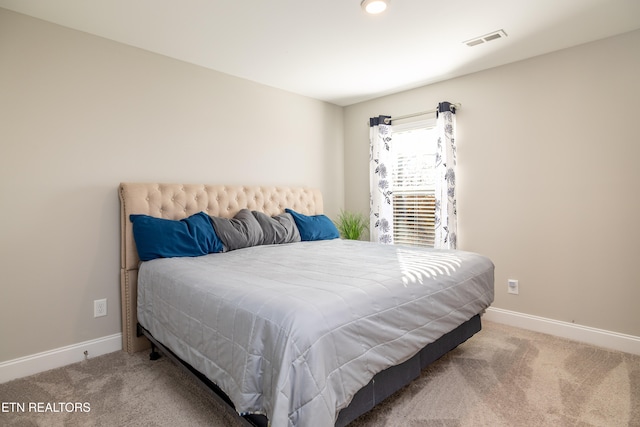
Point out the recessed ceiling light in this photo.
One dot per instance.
(374, 6)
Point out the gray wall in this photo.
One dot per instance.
(548, 177)
(80, 114)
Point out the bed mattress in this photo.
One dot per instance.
(293, 331)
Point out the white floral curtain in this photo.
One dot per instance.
(446, 220)
(380, 176)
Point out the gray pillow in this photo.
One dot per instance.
(277, 229)
(242, 231)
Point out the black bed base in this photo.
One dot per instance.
(383, 384)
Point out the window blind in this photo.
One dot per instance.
(414, 219)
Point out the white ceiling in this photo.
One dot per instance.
(331, 50)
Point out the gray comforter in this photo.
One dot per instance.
(293, 331)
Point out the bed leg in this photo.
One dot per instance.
(154, 355)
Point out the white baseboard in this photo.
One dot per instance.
(585, 334)
(40, 362)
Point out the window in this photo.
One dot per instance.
(414, 150)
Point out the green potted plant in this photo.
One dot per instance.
(351, 225)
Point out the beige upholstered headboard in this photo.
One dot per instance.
(177, 201)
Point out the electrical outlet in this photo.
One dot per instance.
(100, 307)
(512, 286)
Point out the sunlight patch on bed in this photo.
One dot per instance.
(416, 267)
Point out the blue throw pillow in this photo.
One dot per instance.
(316, 227)
(165, 238)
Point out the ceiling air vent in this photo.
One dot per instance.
(486, 38)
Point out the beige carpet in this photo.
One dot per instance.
(501, 377)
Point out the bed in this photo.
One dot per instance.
(312, 332)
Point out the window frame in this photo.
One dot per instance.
(417, 227)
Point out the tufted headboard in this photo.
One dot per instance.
(177, 201)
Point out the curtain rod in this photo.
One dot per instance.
(422, 113)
